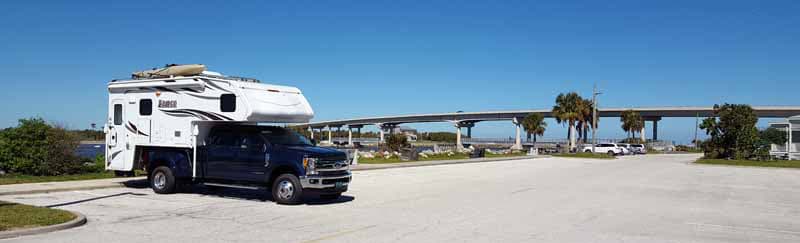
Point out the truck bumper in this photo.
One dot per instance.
(333, 184)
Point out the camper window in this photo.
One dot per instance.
(145, 107)
(227, 103)
(117, 114)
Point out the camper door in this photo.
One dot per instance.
(116, 138)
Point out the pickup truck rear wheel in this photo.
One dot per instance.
(287, 189)
(162, 180)
(610, 153)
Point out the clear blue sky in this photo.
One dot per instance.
(367, 58)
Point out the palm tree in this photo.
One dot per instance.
(586, 107)
(534, 124)
(632, 122)
(568, 109)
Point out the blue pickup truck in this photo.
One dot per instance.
(253, 157)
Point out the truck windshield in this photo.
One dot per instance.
(277, 135)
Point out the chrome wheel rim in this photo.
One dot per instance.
(285, 189)
(159, 180)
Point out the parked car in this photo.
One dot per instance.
(626, 148)
(606, 148)
(639, 148)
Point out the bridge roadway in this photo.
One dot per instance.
(468, 119)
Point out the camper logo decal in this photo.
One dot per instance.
(167, 103)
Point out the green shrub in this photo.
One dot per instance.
(97, 165)
(438, 136)
(733, 135)
(37, 148)
(395, 142)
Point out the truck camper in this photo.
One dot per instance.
(185, 125)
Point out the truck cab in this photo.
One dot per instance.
(260, 157)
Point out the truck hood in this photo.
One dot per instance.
(318, 152)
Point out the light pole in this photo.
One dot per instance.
(594, 117)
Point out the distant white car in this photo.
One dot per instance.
(605, 148)
(626, 148)
(639, 148)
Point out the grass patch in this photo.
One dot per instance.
(17, 179)
(586, 155)
(19, 216)
(444, 157)
(379, 160)
(514, 154)
(20, 179)
(771, 163)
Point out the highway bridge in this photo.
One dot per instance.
(468, 119)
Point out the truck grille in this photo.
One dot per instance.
(334, 181)
(333, 173)
(332, 165)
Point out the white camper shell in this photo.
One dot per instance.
(177, 111)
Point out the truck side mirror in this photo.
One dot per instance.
(314, 142)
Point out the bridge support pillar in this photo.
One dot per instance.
(655, 120)
(350, 136)
(642, 132)
(518, 139)
(350, 133)
(655, 129)
(459, 125)
(330, 135)
(459, 145)
(384, 128)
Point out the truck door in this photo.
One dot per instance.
(252, 158)
(116, 136)
(221, 150)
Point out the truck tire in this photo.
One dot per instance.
(162, 180)
(286, 189)
(611, 153)
(587, 151)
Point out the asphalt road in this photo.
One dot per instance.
(654, 198)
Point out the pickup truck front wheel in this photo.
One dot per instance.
(611, 153)
(162, 180)
(287, 189)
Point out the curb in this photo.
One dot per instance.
(692, 163)
(115, 185)
(74, 188)
(79, 220)
(441, 162)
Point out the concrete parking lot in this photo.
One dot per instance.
(653, 198)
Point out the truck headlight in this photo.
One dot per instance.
(310, 164)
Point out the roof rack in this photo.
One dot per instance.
(232, 78)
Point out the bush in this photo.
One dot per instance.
(395, 142)
(36, 148)
(96, 166)
(438, 136)
(733, 135)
